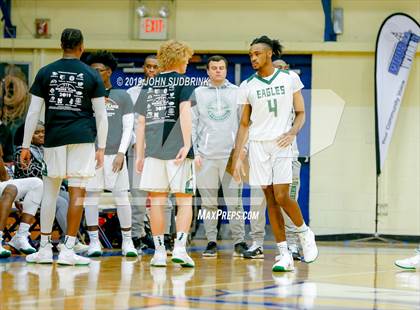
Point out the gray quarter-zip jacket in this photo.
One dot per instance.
(215, 119)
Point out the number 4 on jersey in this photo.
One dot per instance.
(272, 106)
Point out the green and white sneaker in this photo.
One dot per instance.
(67, 257)
(21, 243)
(411, 263)
(80, 248)
(284, 262)
(95, 249)
(3, 252)
(180, 256)
(128, 249)
(43, 256)
(309, 248)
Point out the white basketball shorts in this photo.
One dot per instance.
(165, 176)
(269, 164)
(105, 178)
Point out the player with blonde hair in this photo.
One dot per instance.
(167, 161)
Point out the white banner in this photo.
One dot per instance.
(396, 47)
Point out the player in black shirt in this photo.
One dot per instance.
(74, 99)
(164, 125)
(113, 175)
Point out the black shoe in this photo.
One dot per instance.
(296, 256)
(239, 249)
(169, 244)
(148, 242)
(294, 249)
(211, 250)
(138, 244)
(254, 253)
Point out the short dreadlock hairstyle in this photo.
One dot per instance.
(103, 57)
(275, 45)
(71, 38)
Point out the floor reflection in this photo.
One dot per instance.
(344, 277)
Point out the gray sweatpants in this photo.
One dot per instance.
(294, 194)
(259, 204)
(138, 198)
(138, 201)
(209, 177)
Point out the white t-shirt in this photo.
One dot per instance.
(271, 99)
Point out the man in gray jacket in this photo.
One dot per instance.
(215, 123)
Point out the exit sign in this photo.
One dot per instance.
(153, 28)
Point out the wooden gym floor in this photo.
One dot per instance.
(345, 276)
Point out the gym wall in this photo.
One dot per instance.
(343, 177)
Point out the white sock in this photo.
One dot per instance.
(69, 242)
(23, 229)
(181, 239)
(45, 239)
(159, 245)
(126, 234)
(93, 235)
(282, 246)
(302, 228)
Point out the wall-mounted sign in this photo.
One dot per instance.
(153, 28)
(42, 28)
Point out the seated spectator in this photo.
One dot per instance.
(37, 165)
(36, 169)
(30, 189)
